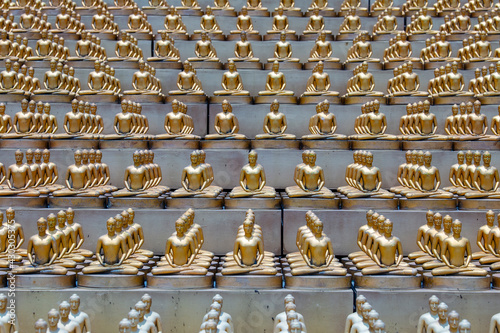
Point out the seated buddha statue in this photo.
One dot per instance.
(204, 50)
(231, 83)
(252, 181)
(323, 124)
(276, 83)
(280, 23)
(322, 50)
(178, 125)
(275, 125)
(318, 83)
(187, 82)
(243, 50)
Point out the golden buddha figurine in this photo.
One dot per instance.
(137, 21)
(150, 315)
(99, 82)
(182, 253)
(423, 126)
(322, 50)
(476, 125)
(316, 23)
(52, 81)
(243, 50)
(173, 22)
(124, 49)
(178, 125)
(430, 317)
(483, 234)
(20, 179)
(440, 50)
(283, 50)
(310, 179)
(144, 83)
(204, 50)
(232, 83)
(208, 23)
(364, 180)
(386, 23)
(280, 23)
(362, 83)
(226, 125)
(165, 49)
(222, 5)
(248, 255)
(187, 82)
(406, 83)
(452, 84)
(244, 23)
(351, 23)
(323, 124)
(421, 23)
(318, 83)
(484, 180)
(189, 4)
(315, 254)
(276, 83)
(42, 252)
(9, 82)
(252, 181)
(255, 5)
(371, 124)
(275, 125)
(111, 254)
(401, 50)
(196, 179)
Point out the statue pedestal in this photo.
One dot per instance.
(137, 202)
(178, 281)
(289, 13)
(275, 144)
(223, 12)
(99, 98)
(438, 64)
(206, 64)
(270, 98)
(284, 65)
(329, 12)
(426, 145)
(379, 144)
(319, 98)
(80, 202)
(427, 203)
(276, 36)
(477, 64)
(159, 64)
(459, 36)
(380, 36)
(452, 99)
(309, 202)
(348, 36)
(17, 98)
(496, 280)
(213, 36)
(387, 281)
(326, 64)
(362, 99)
(490, 100)
(175, 144)
(189, 99)
(53, 98)
(257, 12)
(314, 36)
(360, 11)
(404, 100)
(110, 280)
(125, 63)
(327, 144)
(237, 36)
(125, 143)
(456, 282)
(317, 281)
(351, 65)
(477, 204)
(105, 35)
(231, 99)
(45, 281)
(252, 203)
(175, 35)
(72, 143)
(369, 203)
(249, 281)
(24, 202)
(225, 144)
(245, 64)
(196, 202)
(141, 35)
(476, 145)
(189, 11)
(417, 64)
(144, 98)
(120, 11)
(158, 11)
(24, 143)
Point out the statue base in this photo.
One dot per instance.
(231, 99)
(174, 35)
(72, 143)
(6, 97)
(257, 12)
(320, 98)
(125, 143)
(309, 202)
(246, 65)
(178, 281)
(24, 202)
(417, 64)
(384, 36)
(110, 280)
(369, 203)
(160, 11)
(275, 144)
(360, 11)
(403, 100)
(329, 144)
(252, 203)
(456, 282)
(23, 143)
(165, 64)
(224, 12)
(189, 99)
(314, 36)
(120, 11)
(317, 281)
(45, 281)
(489, 100)
(249, 281)
(276, 36)
(349, 36)
(225, 144)
(476, 145)
(80, 202)
(270, 98)
(189, 12)
(237, 36)
(53, 98)
(98, 98)
(437, 64)
(206, 64)
(213, 36)
(125, 63)
(477, 64)
(195, 203)
(496, 280)
(141, 35)
(137, 202)
(452, 100)
(396, 11)
(476, 204)
(387, 281)
(289, 13)
(459, 36)
(175, 144)
(379, 144)
(105, 35)
(362, 99)
(427, 203)
(3, 279)
(325, 13)
(284, 65)
(427, 145)
(143, 98)
(326, 64)
(376, 65)
(430, 11)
